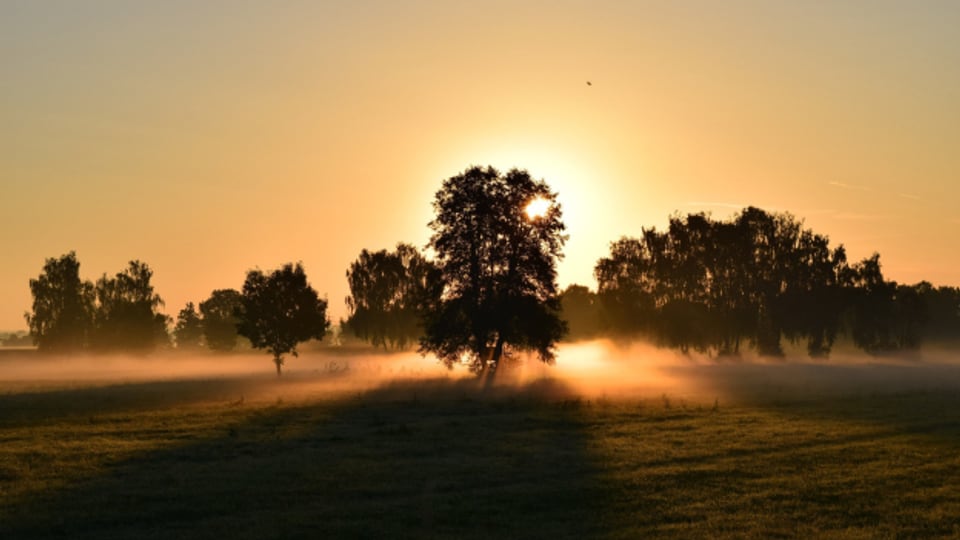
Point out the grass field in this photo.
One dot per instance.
(709, 451)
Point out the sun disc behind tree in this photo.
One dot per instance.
(537, 208)
(498, 269)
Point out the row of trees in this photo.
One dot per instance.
(490, 290)
(115, 313)
(275, 312)
(214, 326)
(713, 286)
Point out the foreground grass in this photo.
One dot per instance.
(446, 459)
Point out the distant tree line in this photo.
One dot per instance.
(116, 313)
(716, 287)
(214, 326)
(489, 290)
(390, 294)
(755, 280)
(16, 339)
(276, 311)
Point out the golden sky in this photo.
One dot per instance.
(208, 138)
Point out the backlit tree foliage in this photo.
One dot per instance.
(713, 286)
(390, 292)
(498, 267)
(280, 310)
(63, 305)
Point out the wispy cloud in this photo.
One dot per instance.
(842, 185)
(867, 189)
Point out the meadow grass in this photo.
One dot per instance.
(259, 457)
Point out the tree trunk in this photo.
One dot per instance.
(278, 360)
(498, 351)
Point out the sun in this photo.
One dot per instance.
(537, 208)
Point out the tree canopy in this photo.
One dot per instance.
(498, 266)
(390, 293)
(118, 313)
(220, 319)
(280, 310)
(126, 316)
(713, 285)
(580, 308)
(63, 306)
(188, 331)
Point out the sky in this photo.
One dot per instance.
(209, 138)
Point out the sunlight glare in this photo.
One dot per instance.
(537, 208)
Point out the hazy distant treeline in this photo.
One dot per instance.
(121, 313)
(118, 313)
(711, 286)
(716, 286)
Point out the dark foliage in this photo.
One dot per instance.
(280, 310)
(16, 339)
(115, 314)
(390, 292)
(498, 267)
(126, 317)
(188, 331)
(941, 313)
(580, 308)
(63, 306)
(712, 286)
(220, 319)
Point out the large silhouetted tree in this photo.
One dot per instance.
(126, 317)
(390, 293)
(280, 310)
(220, 319)
(498, 265)
(188, 331)
(62, 314)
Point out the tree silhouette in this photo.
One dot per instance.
(711, 286)
(498, 267)
(884, 316)
(188, 331)
(220, 319)
(62, 314)
(126, 316)
(280, 310)
(389, 295)
(580, 309)
(626, 287)
(942, 312)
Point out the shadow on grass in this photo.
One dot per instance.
(418, 459)
(33, 408)
(902, 397)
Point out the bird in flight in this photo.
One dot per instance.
(589, 83)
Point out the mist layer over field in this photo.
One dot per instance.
(587, 370)
(620, 441)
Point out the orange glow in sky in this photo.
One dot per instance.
(209, 138)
